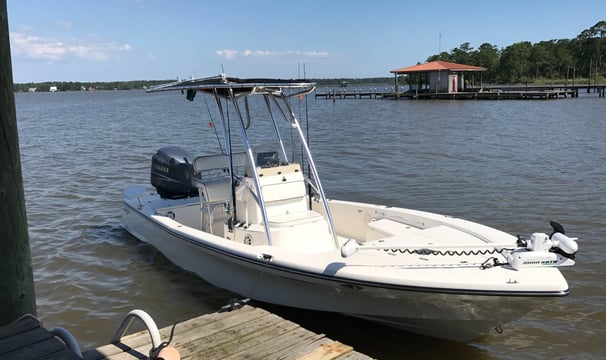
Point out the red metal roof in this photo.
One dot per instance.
(437, 66)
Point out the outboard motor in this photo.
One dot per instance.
(171, 172)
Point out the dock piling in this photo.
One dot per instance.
(16, 275)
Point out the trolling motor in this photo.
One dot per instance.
(541, 250)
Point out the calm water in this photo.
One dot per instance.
(513, 165)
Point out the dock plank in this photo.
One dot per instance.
(245, 333)
(199, 328)
(237, 339)
(328, 351)
(281, 346)
(26, 338)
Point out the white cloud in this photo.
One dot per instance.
(39, 48)
(63, 24)
(232, 54)
(228, 54)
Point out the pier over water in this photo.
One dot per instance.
(531, 92)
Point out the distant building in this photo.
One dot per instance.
(442, 76)
(52, 89)
(32, 89)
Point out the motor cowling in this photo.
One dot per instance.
(171, 172)
(541, 242)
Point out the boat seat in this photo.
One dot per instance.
(214, 183)
(284, 193)
(215, 190)
(212, 164)
(294, 219)
(211, 178)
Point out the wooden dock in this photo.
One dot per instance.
(351, 94)
(462, 95)
(245, 333)
(489, 93)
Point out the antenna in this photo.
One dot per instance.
(212, 125)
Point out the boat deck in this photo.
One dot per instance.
(245, 333)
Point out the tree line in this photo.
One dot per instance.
(87, 86)
(581, 57)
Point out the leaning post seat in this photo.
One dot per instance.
(213, 171)
(211, 178)
(292, 224)
(284, 193)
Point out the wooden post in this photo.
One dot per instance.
(589, 76)
(16, 276)
(395, 84)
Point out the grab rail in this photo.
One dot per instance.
(146, 319)
(67, 338)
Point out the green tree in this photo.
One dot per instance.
(542, 59)
(487, 56)
(564, 57)
(590, 49)
(514, 65)
(462, 54)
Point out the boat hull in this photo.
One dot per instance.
(458, 315)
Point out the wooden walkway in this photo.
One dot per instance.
(489, 95)
(462, 95)
(350, 94)
(245, 333)
(507, 92)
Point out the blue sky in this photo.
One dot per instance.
(109, 40)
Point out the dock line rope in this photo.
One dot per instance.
(266, 258)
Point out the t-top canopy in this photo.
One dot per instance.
(221, 85)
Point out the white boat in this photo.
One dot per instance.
(256, 221)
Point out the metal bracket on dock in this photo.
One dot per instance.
(234, 304)
(147, 321)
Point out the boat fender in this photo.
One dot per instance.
(164, 351)
(169, 353)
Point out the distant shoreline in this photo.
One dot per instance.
(63, 86)
(59, 86)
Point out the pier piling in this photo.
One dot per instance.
(16, 275)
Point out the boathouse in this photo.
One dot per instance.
(442, 76)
